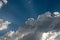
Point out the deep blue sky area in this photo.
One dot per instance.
(18, 11)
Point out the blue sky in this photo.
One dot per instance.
(17, 11)
(20, 10)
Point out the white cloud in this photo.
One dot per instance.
(30, 21)
(57, 14)
(4, 24)
(50, 35)
(2, 2)
(5, 1)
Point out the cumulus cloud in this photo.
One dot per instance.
(2, 2)
(45, 27)
(4, 24)
(57, 14)
(50, 35)
(10, 33)
(30, 21)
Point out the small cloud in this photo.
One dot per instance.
(4, 24)
(30, 21)
(5, 1)
(57, 14)
(2, 2)
(10, 34)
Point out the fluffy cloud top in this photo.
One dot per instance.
(2, 2)
(57, 14)
(50, 35)
(5, 1)
(45, 27)
(4, 24)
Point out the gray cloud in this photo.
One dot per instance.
(45, 27)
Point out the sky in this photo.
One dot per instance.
(18, 11)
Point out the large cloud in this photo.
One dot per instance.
(45, 27)
(2, 2)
